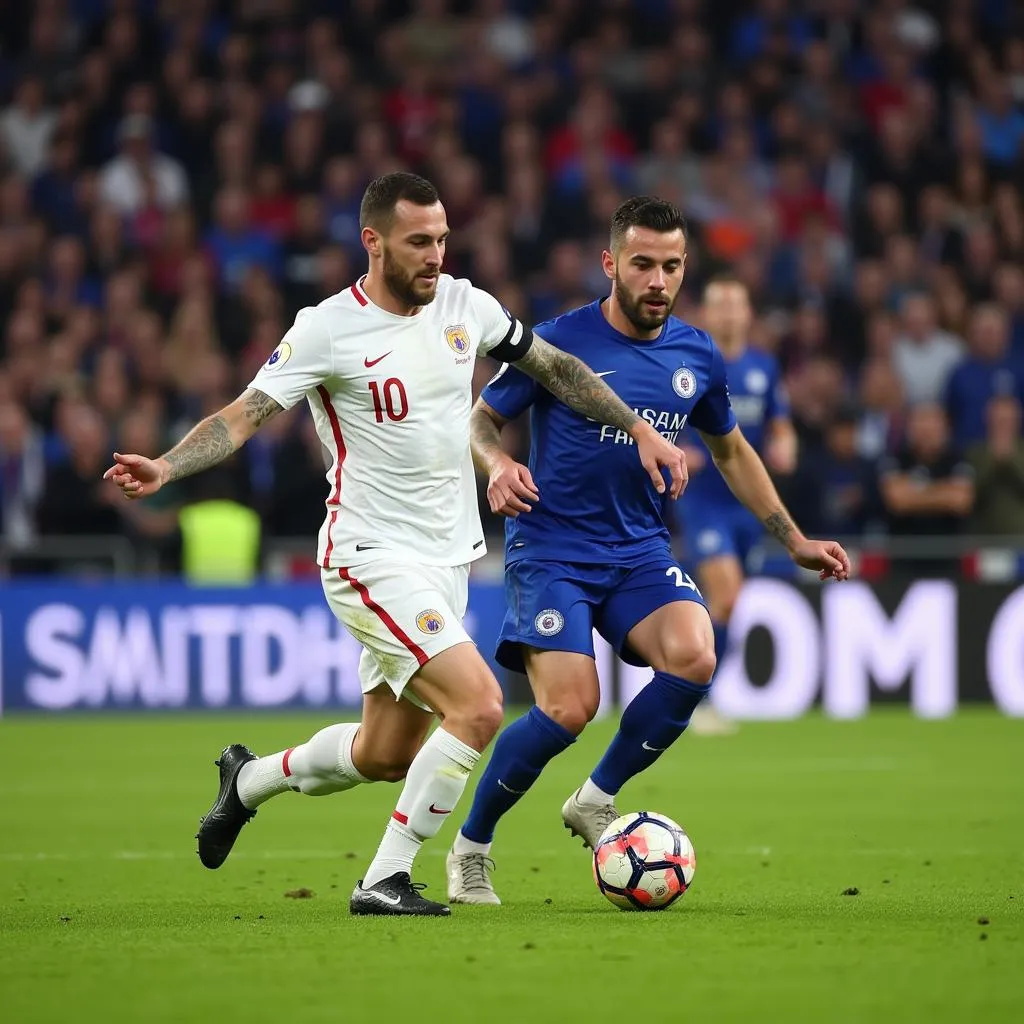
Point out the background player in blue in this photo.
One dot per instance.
(719, 530)
(586, 543)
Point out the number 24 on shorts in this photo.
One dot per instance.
(683, 579)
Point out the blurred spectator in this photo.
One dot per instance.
(22, 470)
(928, 487)
(75, 500)
(302, 256)
(235, 245)
(815, 390)
(836, 482)
(296, 505)
(924, 356)
(140, 174)
(882, 409)
(27, 126)
(999, 471)
(988, 371)
(1001, 124)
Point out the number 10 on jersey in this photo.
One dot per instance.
(395, 404)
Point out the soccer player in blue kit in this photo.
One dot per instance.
(586, 542)
(719, 530)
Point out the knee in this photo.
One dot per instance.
(477, 722)
(386, 766)
(693, 660)
(572, 711)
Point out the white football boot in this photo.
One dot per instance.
(588, 821)
(707, 720)
(469, 878)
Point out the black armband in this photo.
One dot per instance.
(510, 351)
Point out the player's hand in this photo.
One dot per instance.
(135, 475)
(828, 557)
(656, 453)
(510, 487)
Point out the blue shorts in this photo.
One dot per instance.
(556, 606)
(714, 531)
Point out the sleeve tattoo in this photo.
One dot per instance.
(258, 407)
(485, 439)
(780, 526)
(572, 381)
(210, 441)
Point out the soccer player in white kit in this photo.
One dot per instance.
(386, 366)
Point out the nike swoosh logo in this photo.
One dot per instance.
(654, 750)
(605, 373)
(509, 789)
(366, 547)
(391, 901)
(437, 810)
(373, 362)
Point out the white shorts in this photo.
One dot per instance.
(402, 614)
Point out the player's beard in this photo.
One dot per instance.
(407, 287)
(640, 315)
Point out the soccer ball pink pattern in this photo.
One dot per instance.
(644, 861)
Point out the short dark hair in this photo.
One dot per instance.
(377, 209)
(646, 212)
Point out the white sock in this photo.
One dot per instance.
(320, 766)
(462, 846)
(436, 780)
(594, 795)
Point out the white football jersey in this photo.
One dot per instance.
(391, 398)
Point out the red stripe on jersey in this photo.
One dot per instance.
(340, 453)
(396, 630)
(284, 762)
(330, 539)
(360, 298)
(401, 818)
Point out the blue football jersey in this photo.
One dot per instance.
(597, 503)
(755, 388)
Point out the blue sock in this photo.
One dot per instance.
(519, 757)
(721, 640)
(656, 718)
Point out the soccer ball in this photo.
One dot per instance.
(644, 861)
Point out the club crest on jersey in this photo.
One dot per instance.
(280, 355)
(708, 541)
(458, 338)
(430, 621)
(756, 381)
(549, 622)
(684, 382)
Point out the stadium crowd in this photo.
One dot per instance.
(178, 178)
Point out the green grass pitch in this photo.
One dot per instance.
(106, 914)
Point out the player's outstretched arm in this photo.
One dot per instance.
(509, 483)
(485, 425)
(210, 441)
(748, 479)
(571, 380)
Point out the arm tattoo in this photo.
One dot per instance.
(780, 526)
(211, 441)
(206, 444)
(485, 439)
(258, 407)
(571, 380)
